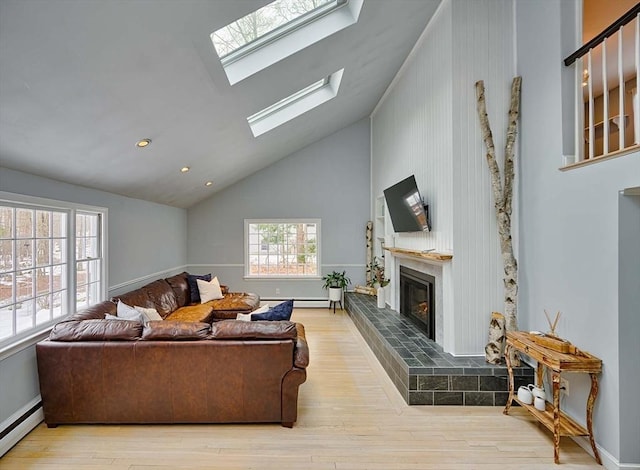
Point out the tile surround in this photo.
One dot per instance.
(419, 368)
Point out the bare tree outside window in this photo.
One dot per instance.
(262, 22)
(282, 249)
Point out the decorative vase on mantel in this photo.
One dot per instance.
(381, 299)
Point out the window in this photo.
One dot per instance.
(37, 240)
(88, 259)
(295, 104)
(277, 31)
(282, 248)
(267, 24)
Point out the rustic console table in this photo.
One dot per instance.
(558, 362)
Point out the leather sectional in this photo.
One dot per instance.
(94, 370)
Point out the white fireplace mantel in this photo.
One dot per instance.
(439, 265)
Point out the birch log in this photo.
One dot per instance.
(495, 347)
(369, 236)
(503, 197)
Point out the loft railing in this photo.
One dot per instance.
(608, 116)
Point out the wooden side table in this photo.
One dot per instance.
(554, 419)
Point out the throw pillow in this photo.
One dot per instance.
(193, 285)
(150, 314)
(209, 290)
(125, 312)
(247, 316)
(279, 312)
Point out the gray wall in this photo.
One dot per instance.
(328, 180)
(144, 239)
(629, 325)
(569, 231)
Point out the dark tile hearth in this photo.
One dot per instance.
(421, 371)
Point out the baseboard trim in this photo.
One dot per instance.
(608, 461)
(19, 424)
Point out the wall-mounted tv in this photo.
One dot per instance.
(407, 210)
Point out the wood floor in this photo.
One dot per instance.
(350, 417)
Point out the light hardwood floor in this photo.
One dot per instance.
(350, 417)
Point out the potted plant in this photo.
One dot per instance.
(336, 283)
(377, 277)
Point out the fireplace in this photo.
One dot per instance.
(417, 299)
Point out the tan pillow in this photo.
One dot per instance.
(209, 290)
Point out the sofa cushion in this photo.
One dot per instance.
(96, 330)
(197, 313)
(161, 295)
(180, 288)
(194, 293)
(95, 312)
(232, 329)
(233, 303)
(209, 290)
(175, 330)
(279, 312)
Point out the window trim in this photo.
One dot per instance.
(15, 342)
(252, 277)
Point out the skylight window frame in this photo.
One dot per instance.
(289, 100)
(296, 40)
(296, 104)
(279, 32)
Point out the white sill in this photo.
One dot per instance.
(278, 278)
(14, 348)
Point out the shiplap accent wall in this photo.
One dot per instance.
(427, 125)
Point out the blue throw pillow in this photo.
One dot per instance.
(279, 312)
(193, 285)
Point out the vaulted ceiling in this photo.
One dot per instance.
(81, 81)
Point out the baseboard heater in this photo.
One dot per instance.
(297, 303)
(15, 428)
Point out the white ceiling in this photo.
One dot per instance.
(82, 80)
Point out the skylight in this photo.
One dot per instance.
(278, 30)
(267, 24)
(295, 104)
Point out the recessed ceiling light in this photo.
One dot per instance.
(184, 169)
(143, 143)
(209, 183)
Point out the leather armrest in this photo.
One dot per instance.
(301, 352)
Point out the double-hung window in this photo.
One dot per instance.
(51, 263)
(282, 248)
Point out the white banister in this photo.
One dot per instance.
(592, 133)
(621, 88)
(605, 95)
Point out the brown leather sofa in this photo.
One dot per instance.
(93, 370)
(172, 299)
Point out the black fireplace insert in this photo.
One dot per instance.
(417, 299)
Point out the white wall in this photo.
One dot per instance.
(427, 125)
(328, 180)
(569, 230)
(144, 238)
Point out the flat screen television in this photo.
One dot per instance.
(406, 208)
